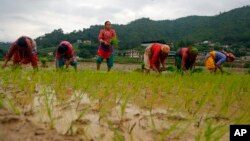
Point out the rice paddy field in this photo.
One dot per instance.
(90, 105)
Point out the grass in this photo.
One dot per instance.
(213, 100)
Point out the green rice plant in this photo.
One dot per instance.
(210, 132)
(82, 113)
(171, 68)
(1, 102)
(44, 61)
(13, 107)
(124, 105)
(114, 42)
(118, 136)
(220, 99)
(130, 130)
(48, 101)
(197, 70)
(70, 129)
(78, 98)
(166, 133)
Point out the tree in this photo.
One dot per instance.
(87, 50)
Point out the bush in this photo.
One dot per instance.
(247, 65)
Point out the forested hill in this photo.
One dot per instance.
(231, 27)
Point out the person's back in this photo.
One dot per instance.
(157, 55)
(23, 51)
(214, 60)
(65, 55)
(220, 57)
(186, 57)
(69, 51)
(154, 56)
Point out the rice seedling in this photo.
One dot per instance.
(166, 133)
(118, 136)
(114, 42)
(1, 102)
(13, 107)
(209, 102)
(48, 99)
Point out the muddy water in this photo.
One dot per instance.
(136, 123)
(79, 114)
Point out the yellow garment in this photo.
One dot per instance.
(210, 62)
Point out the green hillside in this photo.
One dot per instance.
(230, 28)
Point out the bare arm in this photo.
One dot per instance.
(183, 61)
(9, 54)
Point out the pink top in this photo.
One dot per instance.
(106, 35)
(69, 53)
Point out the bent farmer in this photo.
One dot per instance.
(65, 55)
(155, 56)
(185, 58)
(215, 59)
(23, 51)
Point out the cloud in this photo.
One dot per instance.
(35, 18)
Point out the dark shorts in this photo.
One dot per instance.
(110, 60)
(60, 62)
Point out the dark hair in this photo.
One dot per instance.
(106, 22)
(62, 49)
(22, 42)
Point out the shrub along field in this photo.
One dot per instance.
(119, 105)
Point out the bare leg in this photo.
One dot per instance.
(98, 66)
(109, 69)
(146, 71)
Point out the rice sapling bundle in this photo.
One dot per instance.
(114, 42)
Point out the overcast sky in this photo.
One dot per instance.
(37, 17)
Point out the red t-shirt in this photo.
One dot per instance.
(156, 56)
(69, 53)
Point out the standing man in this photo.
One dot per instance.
(155, 56)
(105, 50)
(65, 55)
(215, 59)
(185, 58)
(23, 51)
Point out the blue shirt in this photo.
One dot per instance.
(220, 58)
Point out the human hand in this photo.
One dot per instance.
(106, 43)
(67, 63)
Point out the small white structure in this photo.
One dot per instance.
(87, 42)
(132, 54)
(79, 41)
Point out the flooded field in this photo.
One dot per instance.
(120, 105)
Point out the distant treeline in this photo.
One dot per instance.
(229, 28)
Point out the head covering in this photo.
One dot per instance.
(193, 50)
(165, 48)
(231, 56)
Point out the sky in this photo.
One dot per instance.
(34, 18)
